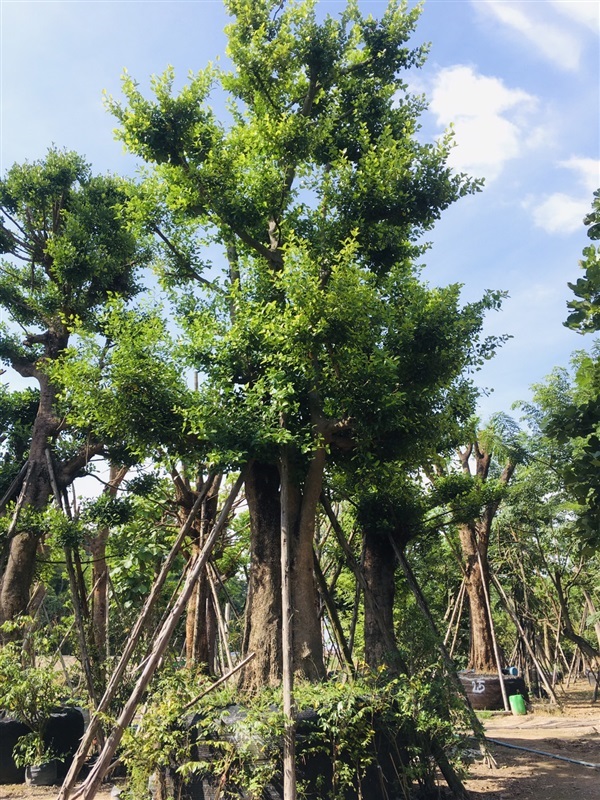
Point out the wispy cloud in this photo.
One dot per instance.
(585, 12)
(587, 171)
(538, 24)
(489, 119)
(561, 213)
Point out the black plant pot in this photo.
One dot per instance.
(41, 774)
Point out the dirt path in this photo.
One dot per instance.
(574, 733)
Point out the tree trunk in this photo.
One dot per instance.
(481, 650)
(17, 578)
(17, 564)
(262, 633)
(262, 627)
(379, 570)
(99, 610)
(307, 634)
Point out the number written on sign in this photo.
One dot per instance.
(478, 687)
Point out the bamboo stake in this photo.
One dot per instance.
(457, 609)
(129, 648)
(75, 592)
(21, 499)
(515, 619)
(219, 616)
(333, 616)
(289, 710)
(493, 633)
(92, 783)
(218, 683)
(15, 482)
(452, 779)
(556, 645)
(458, 619)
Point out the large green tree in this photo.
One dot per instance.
(316, 340)
(66, 250)
(580, 421)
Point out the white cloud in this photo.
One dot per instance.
(479, 108)
(587, 169)
(562, 213)
(586, 12)
(547, 35)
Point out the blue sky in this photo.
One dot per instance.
(518, 80)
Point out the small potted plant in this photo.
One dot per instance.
(39, 760)
(29, 694)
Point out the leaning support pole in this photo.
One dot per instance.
(333, 615)
(92, 783)
(515, 619)
(129, 649)
(488, 606)
(448, 772)
(287, 643)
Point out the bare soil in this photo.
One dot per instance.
(571, 732)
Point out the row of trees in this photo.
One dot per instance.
(256, 304)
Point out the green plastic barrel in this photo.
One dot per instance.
(517, 704)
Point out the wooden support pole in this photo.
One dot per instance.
(493, 633)
(287, 644)
(75, 586)
(456, 610)
(515, 619)
(129, 648)
(332, 614)
(92, 783)
(220, 622)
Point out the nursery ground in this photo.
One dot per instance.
(573, 732)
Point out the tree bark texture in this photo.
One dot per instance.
(379, 570)
(17, 562)
(18, 554)
(308, 638)
(262, 624)
(481, 648)
(474, 542)
(262, 633)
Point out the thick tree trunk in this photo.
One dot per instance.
(379, 570)
(481, 650)
(262, 634)
(307, 634)
(17, 578)
(17, 562)
(262, 628)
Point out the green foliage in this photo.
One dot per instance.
(567, 413)
(316, 190)
(240, 745)
(137, 546)
(67, 228)
(585, 314)
(30, 751)
(107, 511)
(62, 530)
(465, 496)
(17, 414)
(126, 388)
(29, 694)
